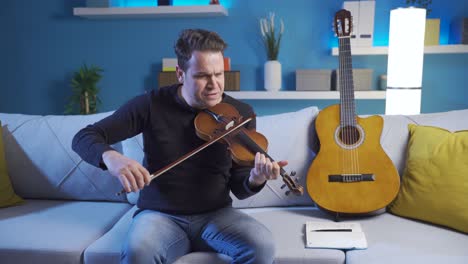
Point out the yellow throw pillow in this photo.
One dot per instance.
(435, 182)
(7, 196)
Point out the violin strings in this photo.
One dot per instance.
(254, 147)
(250, 143)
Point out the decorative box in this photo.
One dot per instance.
(231, 79)
(313, 80)
(362, 79)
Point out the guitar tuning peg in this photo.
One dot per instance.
(282, 186)
(287, 193)
(293, 173)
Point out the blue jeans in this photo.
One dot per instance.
(156, 237)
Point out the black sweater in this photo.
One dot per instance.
(200, 183)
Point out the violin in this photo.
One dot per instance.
(223, 123)
(243, 143)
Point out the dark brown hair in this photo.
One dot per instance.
(191, 40)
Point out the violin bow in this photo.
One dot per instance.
(195, 151)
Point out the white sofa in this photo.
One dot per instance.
(72, 215)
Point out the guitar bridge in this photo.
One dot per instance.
(348, 178)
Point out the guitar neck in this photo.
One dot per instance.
(346, 85)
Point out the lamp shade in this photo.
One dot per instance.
(405, 60)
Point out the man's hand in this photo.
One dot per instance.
(264, 170)
(131, 174)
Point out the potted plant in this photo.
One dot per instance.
(432, 32)
(271, 38)
(84, 99)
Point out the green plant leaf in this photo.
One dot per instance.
(84, 81)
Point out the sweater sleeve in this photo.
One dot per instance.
(239, 183)
(128, 121)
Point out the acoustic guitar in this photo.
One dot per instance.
(351, 172)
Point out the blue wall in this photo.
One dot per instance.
(42, 44)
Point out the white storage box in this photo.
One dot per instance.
(313, 80)
(362, 13)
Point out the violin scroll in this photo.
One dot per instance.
(293, 185)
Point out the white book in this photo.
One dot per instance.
(346, 235)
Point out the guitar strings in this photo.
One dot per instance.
(350, 155)
(346, 79)
(355, 136)
(347, 76)
(353, 114)
(351, 109)
(343, 110)
(344, 117)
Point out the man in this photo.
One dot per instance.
(187, 208)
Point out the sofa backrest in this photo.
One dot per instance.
(291, 136)
(395, 133)
(42, 165)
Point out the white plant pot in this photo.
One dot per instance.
(272, 75)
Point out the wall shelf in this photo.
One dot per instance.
(382, 50)
(302, 95)
(150, 12)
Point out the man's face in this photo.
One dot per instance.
(203, 81)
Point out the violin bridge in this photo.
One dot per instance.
(229, 125)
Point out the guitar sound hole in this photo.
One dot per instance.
(349, 135)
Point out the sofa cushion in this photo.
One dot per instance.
(44, 231)
(435, 181)
(395, 132)
(8, 196)
(393, 239)
(107, 248)
(287, 225)
(44, 165)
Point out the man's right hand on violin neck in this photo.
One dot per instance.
(131, 174)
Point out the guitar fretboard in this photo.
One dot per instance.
(346, 85)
